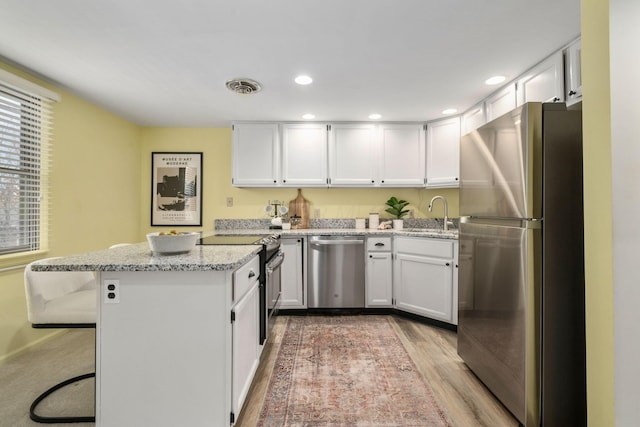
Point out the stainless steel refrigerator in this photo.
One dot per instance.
(521, 326)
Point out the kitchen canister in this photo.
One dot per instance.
(374, 221)
(360, 223)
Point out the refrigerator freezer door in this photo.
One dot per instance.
(496, 323)
(500, 166)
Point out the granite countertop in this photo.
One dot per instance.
(138, 257)
(410, 232)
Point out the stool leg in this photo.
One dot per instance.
(52, 420)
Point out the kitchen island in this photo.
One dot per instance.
(167, 351)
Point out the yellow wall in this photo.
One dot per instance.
(215, 144)
(598, 212)
(94, 196)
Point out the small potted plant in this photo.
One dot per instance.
(397, 209)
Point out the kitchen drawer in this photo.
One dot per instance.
(437, 248)
(244, 278)
(378, 244)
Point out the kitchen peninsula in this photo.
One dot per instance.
(164, 340)
(176, 336)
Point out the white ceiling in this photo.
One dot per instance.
(165, 62)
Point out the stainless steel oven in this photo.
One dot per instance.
(274, 287)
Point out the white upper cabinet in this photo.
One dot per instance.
(256, 154)
(402, 161)
(544, 82)
(353, 150)
(501, 102)
(443, 153)
(573, 75)
(473, 118)
(345, 154)
(304, 154)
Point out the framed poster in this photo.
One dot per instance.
(176, 189)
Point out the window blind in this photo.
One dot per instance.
(25, 150)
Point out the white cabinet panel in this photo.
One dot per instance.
(246, 332)
(353, 150)
(443, 153)
(256, 151)
(142, 349)
(423, 277)
(402, 162)
(573, 73)
(379, 279)
(304, 154)
(501, 102)
(473, 118)
(293, 291)
(544, 82)
(379, 272)
(424, 286)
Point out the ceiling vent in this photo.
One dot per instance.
(243, 86)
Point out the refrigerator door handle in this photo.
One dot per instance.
(529, 223)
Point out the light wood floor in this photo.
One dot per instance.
(465, 399)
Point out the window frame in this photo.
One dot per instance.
(26, 122)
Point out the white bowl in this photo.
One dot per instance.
(172, 243)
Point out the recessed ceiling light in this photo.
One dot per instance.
(449, 111)
(375, 116)
(303, 80)
(308, 116)
(495, 80)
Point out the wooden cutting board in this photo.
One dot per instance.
(299, 207)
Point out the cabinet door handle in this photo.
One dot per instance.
(572, 92)
(556, 99)
(251, 274)
(370, 256)
(379, 244)
(447, 264)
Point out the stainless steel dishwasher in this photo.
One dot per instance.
(335, 266)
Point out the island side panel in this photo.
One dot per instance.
(163, 352)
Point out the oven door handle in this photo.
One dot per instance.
(275, 263)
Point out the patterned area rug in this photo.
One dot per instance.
(346, 371)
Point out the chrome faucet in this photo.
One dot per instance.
(446, 211)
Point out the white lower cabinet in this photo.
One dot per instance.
(379, 272)
(293, 291)
(423, 272)
(246, 351)
(179, 348)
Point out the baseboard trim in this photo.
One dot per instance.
(25, 348)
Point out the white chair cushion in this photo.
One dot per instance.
(54, 284)
(76, 307)
(60, 297)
